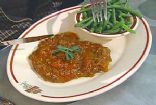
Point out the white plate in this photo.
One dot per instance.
(128, 53)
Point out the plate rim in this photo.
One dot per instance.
(89, 94)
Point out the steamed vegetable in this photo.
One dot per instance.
(119, 18)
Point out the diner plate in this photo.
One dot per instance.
(128, 54)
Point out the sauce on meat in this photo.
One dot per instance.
(92, 58)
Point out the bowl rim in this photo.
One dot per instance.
(133, 27)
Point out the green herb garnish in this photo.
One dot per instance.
(69, 52)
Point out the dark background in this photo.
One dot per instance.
(34, 9)
(20, 9)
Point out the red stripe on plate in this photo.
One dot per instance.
(11, 62)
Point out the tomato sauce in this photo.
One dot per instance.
(92, 58)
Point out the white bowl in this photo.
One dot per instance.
(106, 36)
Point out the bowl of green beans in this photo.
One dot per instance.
(121, 20)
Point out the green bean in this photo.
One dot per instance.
(100, 28)
(122, 19)
(127, 28)
(114, 1)
(80, 24)
(122, 24)
(89, 13)
(88, 23)
(84, 14)
(111, 24)
(108, 27)
(126, 9)
(116, 28)
(113, 16)
(104, 25)
(96, 29)
(110, 10)
(95, 24)
(109, 16)
(119, 13)
(126, 3)
(117, 25)
(109, 3)
(83, 10)
(112, 31)
(129, 23)
(92, 29)
(106, 21)
(117, 3)
(125, 15)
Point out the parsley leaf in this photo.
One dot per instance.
(69, 52)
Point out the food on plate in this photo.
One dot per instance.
(65, 57)
(121, 18)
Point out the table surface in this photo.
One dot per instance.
(139, 89)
